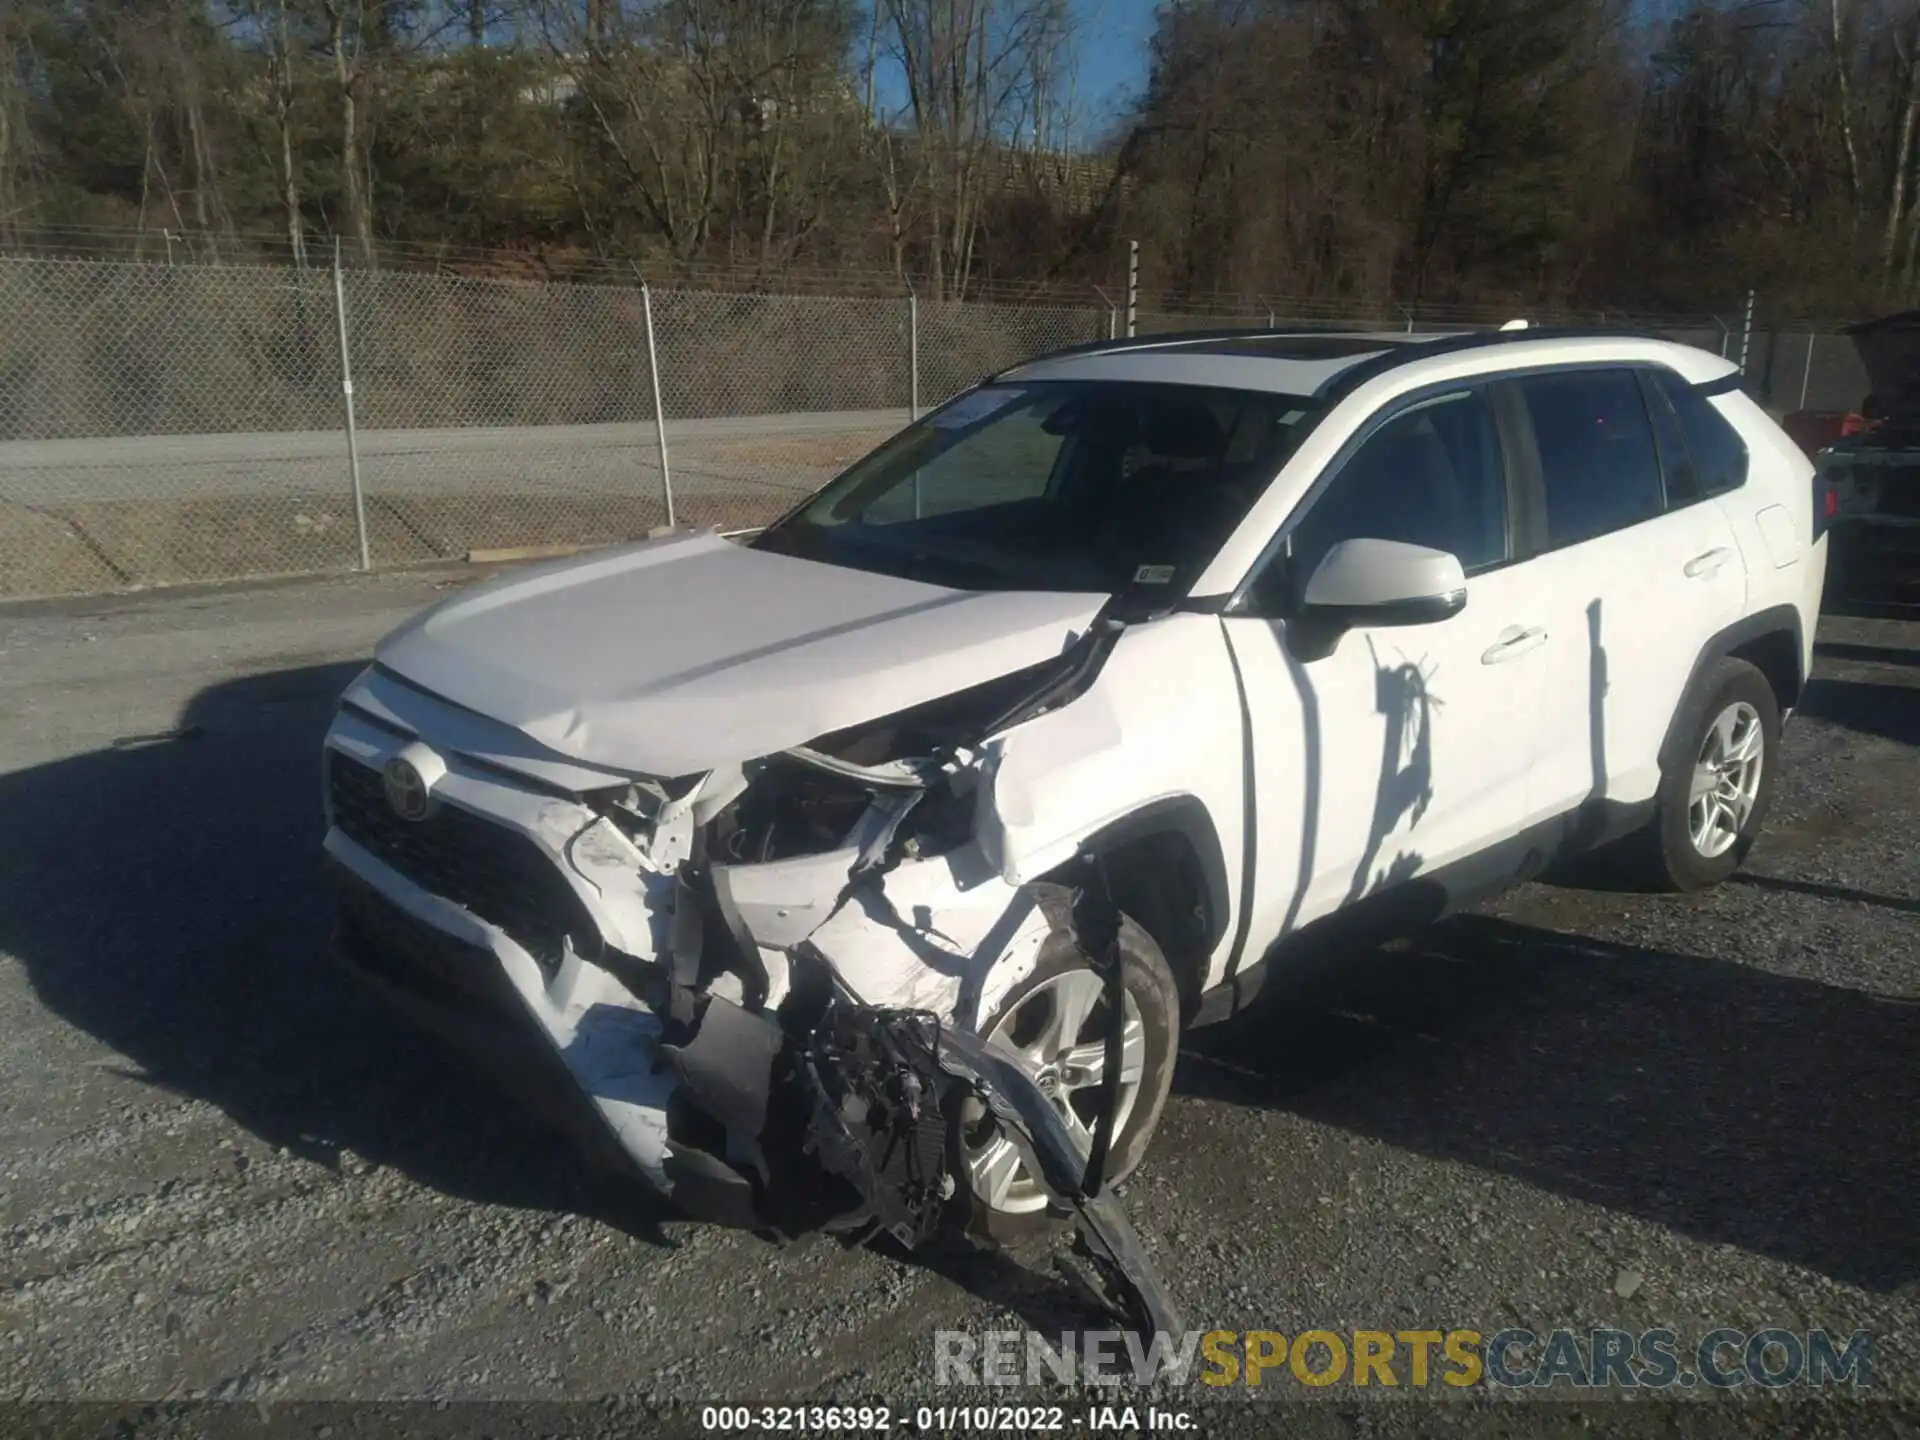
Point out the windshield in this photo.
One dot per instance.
(1081, 486)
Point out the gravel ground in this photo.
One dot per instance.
(224, 1175)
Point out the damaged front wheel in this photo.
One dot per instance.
(1055, 1024)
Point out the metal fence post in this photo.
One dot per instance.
(1746, 335)
(1806, 373)
(659, 413)
(1113, 313)
(913, 382)
(1133, 287)
(346, 393)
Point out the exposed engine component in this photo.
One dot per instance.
(789, 808)
(938, 726)
(878, 1113)
(831, 1115)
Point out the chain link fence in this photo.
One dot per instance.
(1807, 371)
(162, 424)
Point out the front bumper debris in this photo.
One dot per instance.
(780, 1046)
(847, 1122)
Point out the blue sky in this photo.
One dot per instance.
(1113, 36)
(1113, 56)
(1110, 41)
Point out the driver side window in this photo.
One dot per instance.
(1432, 475)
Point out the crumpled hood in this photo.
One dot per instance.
(678, 655)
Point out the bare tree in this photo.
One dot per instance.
(363, 41)
(1905, 38)
(268, 21)
(17, 149)
(976, 73)
(1841, 53)
(346, 22)
(184, 22)
(723, 117)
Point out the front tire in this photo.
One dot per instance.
(1055, 1020)
(1715, 793)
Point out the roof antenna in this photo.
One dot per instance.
(1514, 325)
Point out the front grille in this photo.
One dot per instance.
(378, 936)
(497, 873)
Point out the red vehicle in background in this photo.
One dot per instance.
(1814, 430)
(1869, 464)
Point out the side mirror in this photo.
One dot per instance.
(1369, 582)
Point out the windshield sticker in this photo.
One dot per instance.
(972, 408)
(1154, 575)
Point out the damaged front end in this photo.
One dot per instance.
(766, 980)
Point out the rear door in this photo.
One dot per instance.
(1644, 571)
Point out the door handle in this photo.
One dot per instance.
(1512, 644)
(1709, 563)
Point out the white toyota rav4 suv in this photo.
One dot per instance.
(869, 872)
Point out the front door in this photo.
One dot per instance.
(1401, 749)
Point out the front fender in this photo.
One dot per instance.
(945, 933)
(1052, 783)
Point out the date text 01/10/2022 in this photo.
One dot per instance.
(941, 1419)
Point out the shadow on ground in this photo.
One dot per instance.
(1869, 654)
(1781, 885)
(1723, 1102)
(1868, 707)
(164, 895)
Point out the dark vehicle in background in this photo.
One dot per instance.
(1869, 475)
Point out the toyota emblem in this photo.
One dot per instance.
(406, 788)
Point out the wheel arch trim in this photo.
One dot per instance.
(1783, 620)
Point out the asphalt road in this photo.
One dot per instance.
(565, 459)
(224, 1174)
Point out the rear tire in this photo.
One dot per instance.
(1063, 974)
(1715, 793)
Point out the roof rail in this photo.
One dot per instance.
(1356, 375)
(1396, 352)
(1123, 343)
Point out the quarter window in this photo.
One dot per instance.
(1719, 454)
(1598, 464)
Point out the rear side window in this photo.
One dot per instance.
(1598, 463)
(1719, 454)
